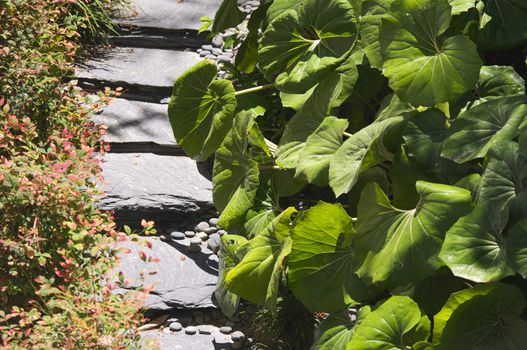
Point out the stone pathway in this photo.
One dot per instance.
(147, 175)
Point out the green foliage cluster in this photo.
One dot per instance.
(56, 247)
(395, 199)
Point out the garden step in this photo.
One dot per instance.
(180, 280)
(169, 14)
(155, 187)
(134, 125)
(159, 38)
(144, 71)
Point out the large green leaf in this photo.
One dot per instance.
(460, 6)
(280, 6)
(396, 324)
(485, 318)
(373, 11)
(235, 175)
(424, 136)
(321, 263)
(227, 300)
(475, 131)
(516, 247)
(397, 247)
(433, 292)
(358, 153)
(499, 81)
(319, 149)
(503, 25)
(301, 46)
(447, 68)
(336, 331)
(227, 16)
(306, 121)
(257, 276)
(201, 109)
(504, 182)
(474, 247)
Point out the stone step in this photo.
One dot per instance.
(155, 187)
(169, 14)
(136, 123)
(159, 38)
(180, 280)
(144, 71)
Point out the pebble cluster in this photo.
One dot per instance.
(216, 51)
(213, 323)
(205, 233)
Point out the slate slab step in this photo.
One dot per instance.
(151, 68)
(136, 122)
(159, 38)
(170, 14)
(179, 280)
(155, 187)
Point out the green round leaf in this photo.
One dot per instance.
(358, 153)
(257, 276)
(484, 318)
(503, 25)
(396, 324)
(475, 131)
(397, 247)
(499, 81)
(423, 68)
(302, 45)
(227, 16)
(201, 109)
(320, 147)
(235, 175)
(321, 272)
(335, 332)
(474, 246)
(228, 301)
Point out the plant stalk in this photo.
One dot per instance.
(254, 89)
(347, 134)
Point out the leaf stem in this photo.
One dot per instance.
(347, 134)
(269, 167)
(254, 89)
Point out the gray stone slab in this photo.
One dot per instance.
(137, 66)
(170, 14)
(150, 183)
(179, 280)
(134, 121)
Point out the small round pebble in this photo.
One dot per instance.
(207, 47)
(175, 326)
(202, 235)
(238, 336)
(204, 329)
(210, 230)
(213, 243)
(210, 57)
(201, 226)
(163, 238)
(194, 248)
(195, 241)
(177, 235)
(222, 232)
(226, 330)
(190, 330)
(190, 234)
(213, 221)
(204, 53)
